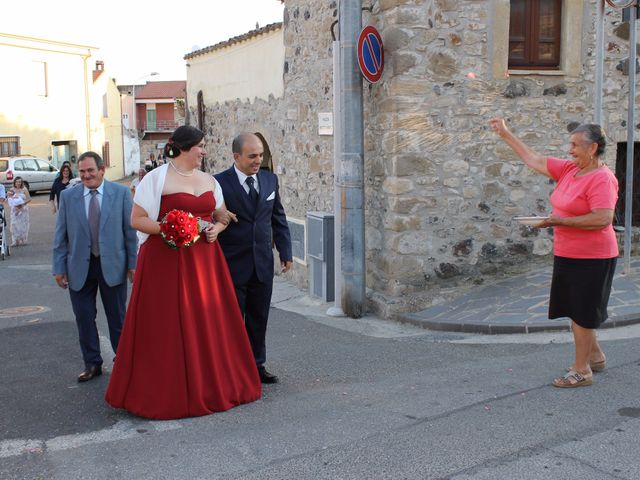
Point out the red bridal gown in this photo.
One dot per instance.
(184, 350)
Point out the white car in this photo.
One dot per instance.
(37, 174)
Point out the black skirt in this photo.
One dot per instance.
(580, 289)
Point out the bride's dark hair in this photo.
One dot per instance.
(182, 140)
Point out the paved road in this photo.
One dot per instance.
(359, 399)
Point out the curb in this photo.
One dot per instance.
(560, 325)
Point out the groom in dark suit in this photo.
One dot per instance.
(252, 194)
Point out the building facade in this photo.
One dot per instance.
(58, 101)
(159, 110)
(440, 189)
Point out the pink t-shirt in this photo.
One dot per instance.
(575, 196)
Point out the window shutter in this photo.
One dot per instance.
(534, 34)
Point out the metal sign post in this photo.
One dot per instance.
(350, 175)
(597, 107)
(630, 138)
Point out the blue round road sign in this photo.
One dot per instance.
(370, 54)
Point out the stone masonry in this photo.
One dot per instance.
(441, 190)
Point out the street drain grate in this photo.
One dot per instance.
(21, 311)
(629, 412)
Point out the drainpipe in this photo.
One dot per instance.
(124, 158)
(336, 309)
(87, 102)
(350, 174)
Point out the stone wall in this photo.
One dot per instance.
(441, 190)
(302, 159)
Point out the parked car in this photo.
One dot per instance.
(37, 174)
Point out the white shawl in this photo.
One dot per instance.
(149, 195)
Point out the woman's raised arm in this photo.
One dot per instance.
(530, 157)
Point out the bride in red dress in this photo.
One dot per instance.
(184, 350)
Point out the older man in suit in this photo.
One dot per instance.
(253, 195)
(95, 248)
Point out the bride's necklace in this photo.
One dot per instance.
(182, 173)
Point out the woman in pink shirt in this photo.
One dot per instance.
(584, 246)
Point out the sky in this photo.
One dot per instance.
(137, 37)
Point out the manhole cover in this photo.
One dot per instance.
(21, 311)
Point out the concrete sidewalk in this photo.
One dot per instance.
(518, 304)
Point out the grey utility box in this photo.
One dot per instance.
(320, 253)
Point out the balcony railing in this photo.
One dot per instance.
(161, 126)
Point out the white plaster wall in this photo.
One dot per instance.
(127, 108)
(40, 116)
(253, 68)
(131, 153)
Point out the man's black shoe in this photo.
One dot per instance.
(266, 377)
(89, 373)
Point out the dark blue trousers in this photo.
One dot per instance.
(83, 301)
(254, 298)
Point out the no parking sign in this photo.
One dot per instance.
(370, 54)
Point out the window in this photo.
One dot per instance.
(30, 165)
(43, 166)
(534, 34)
(105, 154)
(151, 117)
(9, 146)
(105, 108)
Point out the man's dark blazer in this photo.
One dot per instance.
(247, 244)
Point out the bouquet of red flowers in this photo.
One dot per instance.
(179, 229)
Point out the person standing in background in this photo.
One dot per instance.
(136, 181)
(61, 182)
(18, 200)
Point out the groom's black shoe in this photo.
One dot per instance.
(89, 373)
(266, 377)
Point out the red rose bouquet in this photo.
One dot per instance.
(179, 229)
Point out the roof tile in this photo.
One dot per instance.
(167, 89)
(232, 41)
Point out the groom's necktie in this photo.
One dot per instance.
(253, 194)
(94, 223)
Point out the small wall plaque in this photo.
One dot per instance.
(325, 123)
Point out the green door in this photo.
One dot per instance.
(151, 119)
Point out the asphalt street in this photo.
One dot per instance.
(358, 399)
